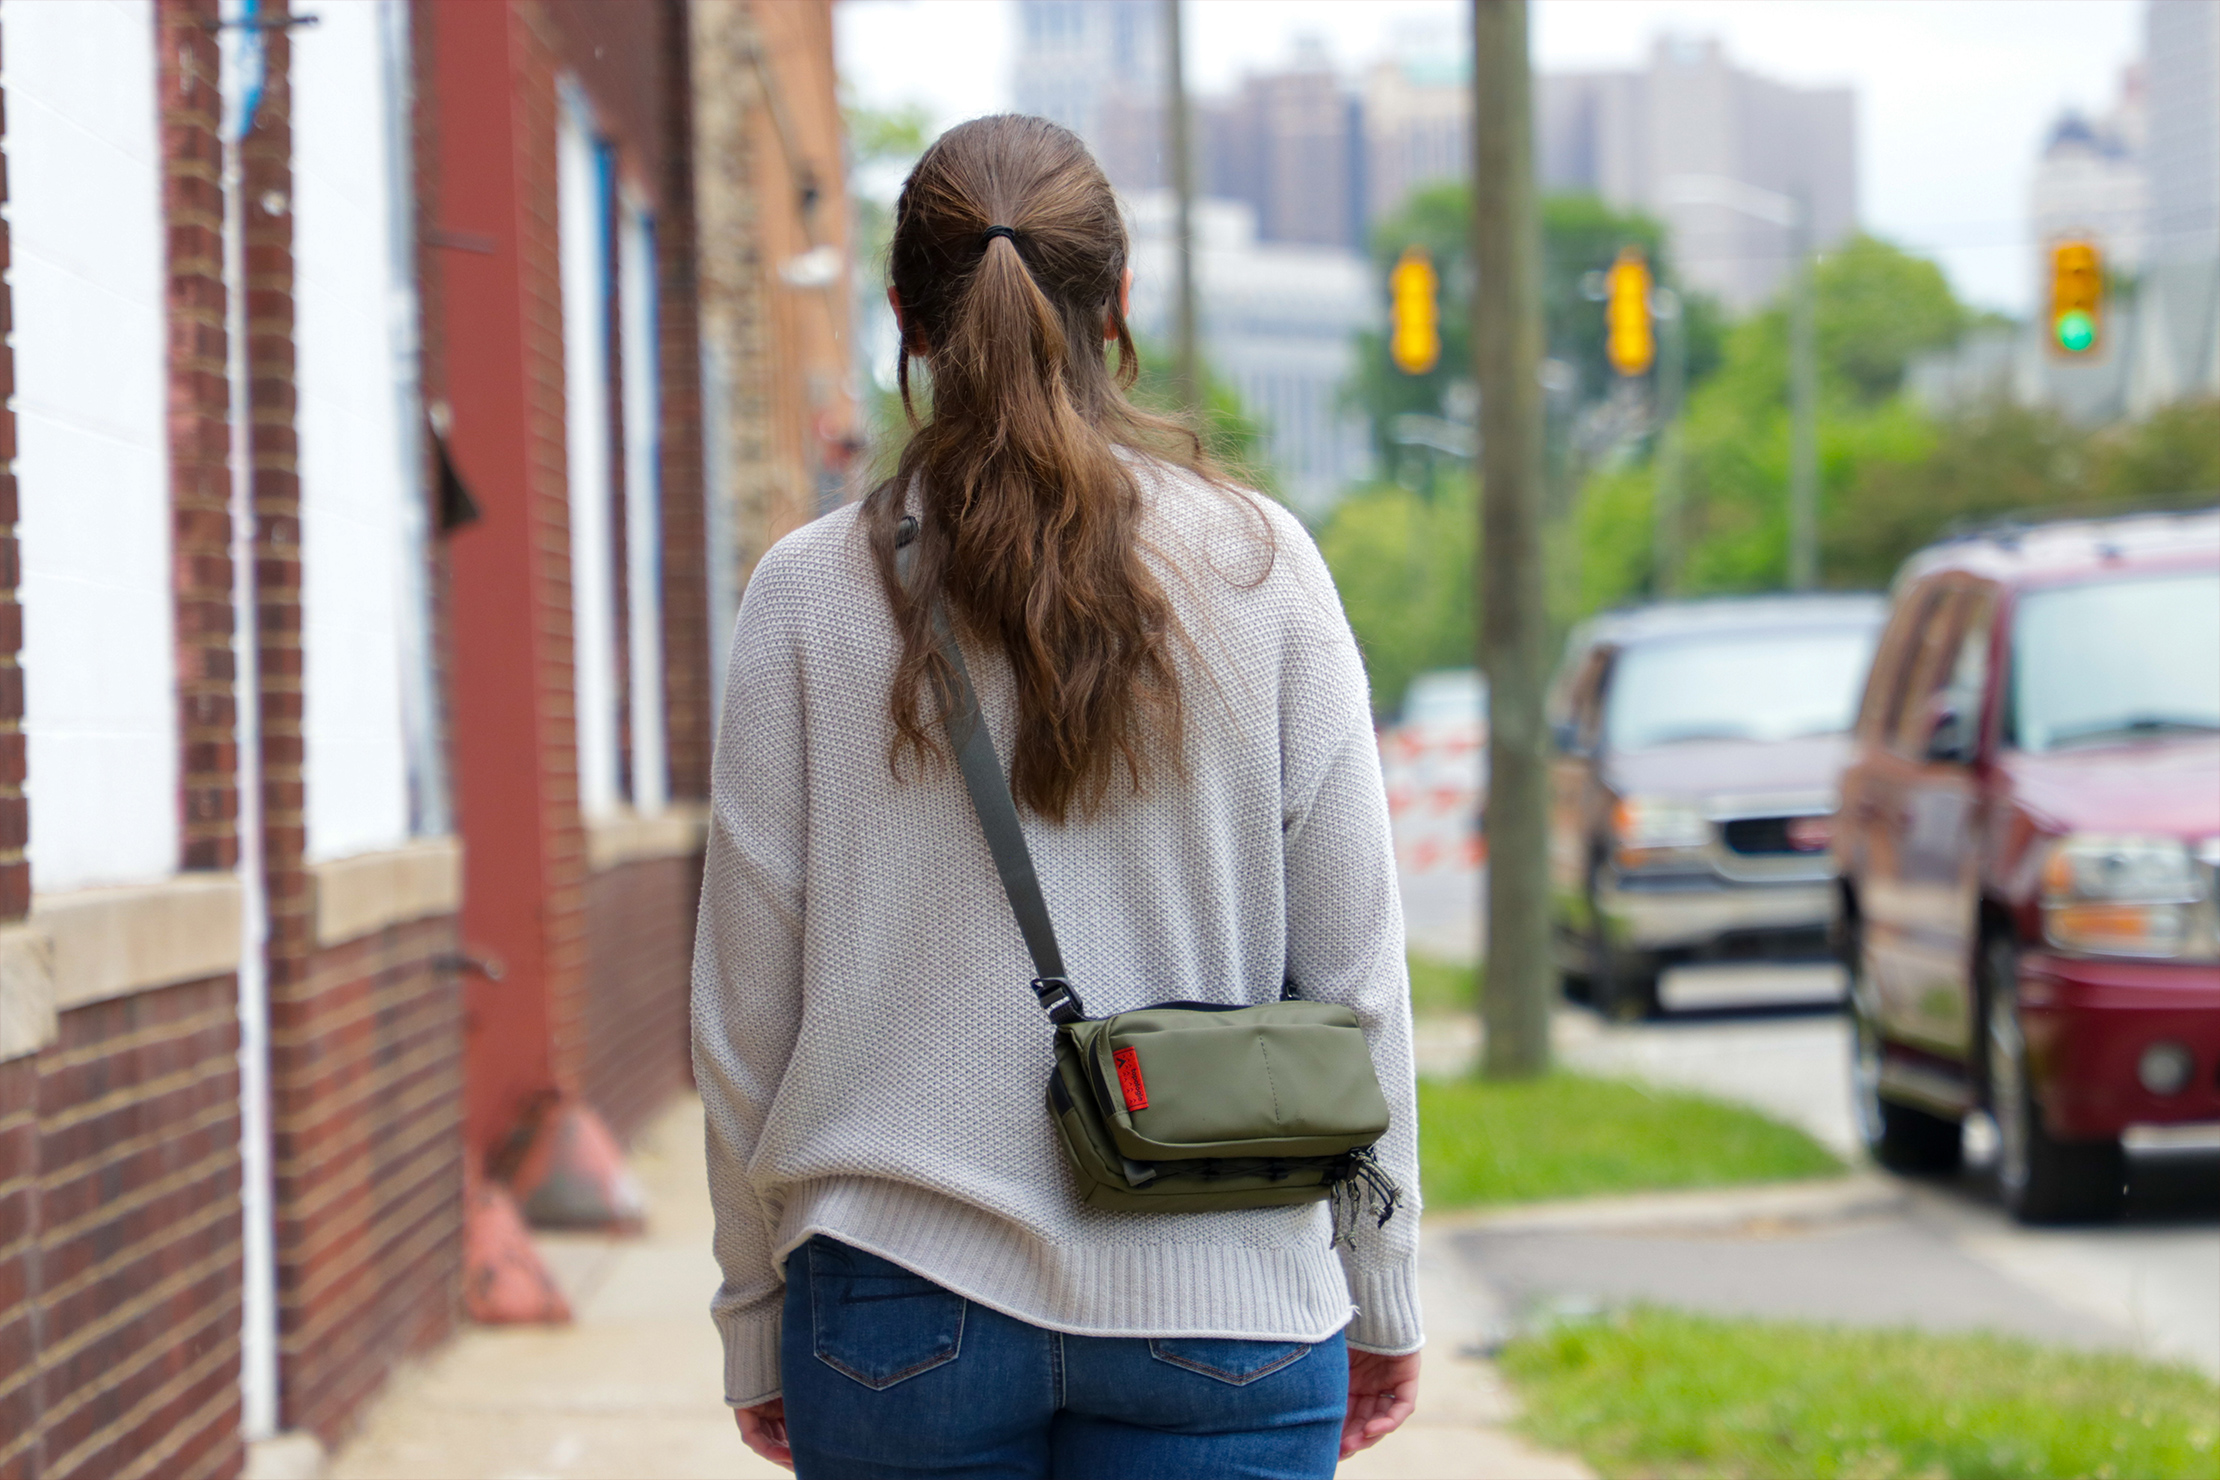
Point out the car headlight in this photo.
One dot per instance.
(1650, 831)
(2125, 896)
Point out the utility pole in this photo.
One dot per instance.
(1507, 355)
(1672, 390)
(1803, 391)
(1187, 371)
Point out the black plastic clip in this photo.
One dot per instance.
(1059, 1000)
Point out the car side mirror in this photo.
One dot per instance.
(1950, 738)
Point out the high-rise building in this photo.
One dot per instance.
(1290, 145)
(2181, 49)
(1097, 67)
(1417, 127)
(1726, 158)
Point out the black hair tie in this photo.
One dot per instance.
(987, 236)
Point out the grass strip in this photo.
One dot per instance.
(1440, 989)
(1570, 1135)
(1660, 1393)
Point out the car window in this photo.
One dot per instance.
(1884, 690)
(2116, 661)
(1933, 655)
(1759, 685)
(1967, 686)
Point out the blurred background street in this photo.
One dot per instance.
(1806, 797)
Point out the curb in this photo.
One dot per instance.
(1828, 1200)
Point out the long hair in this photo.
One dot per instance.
(1029, 518)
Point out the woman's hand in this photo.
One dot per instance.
(1382, 1393)
(763, 1429)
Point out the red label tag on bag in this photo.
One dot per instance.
(1129, 1078)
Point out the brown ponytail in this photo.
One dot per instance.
(1030, 520)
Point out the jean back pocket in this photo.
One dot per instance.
(874, 1321)
(1238, 1363)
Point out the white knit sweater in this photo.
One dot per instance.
(869, 1052)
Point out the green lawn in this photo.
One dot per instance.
(1569, 1135)
(1657, 1393)
(1439, 989)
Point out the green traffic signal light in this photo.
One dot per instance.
(2076, 331)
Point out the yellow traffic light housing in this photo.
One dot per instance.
(1414, 309)
(2076, 297)
(1630, 343)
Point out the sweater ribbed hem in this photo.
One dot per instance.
(751, 1355)
(1387, 1311)
(1082, 1288)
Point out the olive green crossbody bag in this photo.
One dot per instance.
(1184, 1106)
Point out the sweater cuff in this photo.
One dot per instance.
(751, 1356)
(1387, 1320)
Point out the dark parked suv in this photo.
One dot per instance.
(1694, 787)
(2027, 849)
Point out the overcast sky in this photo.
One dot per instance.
(1954, 96)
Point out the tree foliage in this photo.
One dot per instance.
(1403, 561)
(1580, 235)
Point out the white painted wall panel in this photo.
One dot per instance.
(92, 463)
(643, 506)
(359, 495)
(585, 273)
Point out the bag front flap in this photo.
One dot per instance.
(1283, 1079)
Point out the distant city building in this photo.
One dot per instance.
(1711, 150)
(2181, 49)
(1417, 127)
(1097, 67)
(2090, 183)
(1290, 145)
(1279, 324)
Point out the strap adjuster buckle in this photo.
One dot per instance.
(1059, 1000)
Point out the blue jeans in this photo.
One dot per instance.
(888, 1374)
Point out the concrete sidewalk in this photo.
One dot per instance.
(630, 1390)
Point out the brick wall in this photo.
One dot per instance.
(366, 1050)
(365, 1035)
(640, 922)
(124, 1137)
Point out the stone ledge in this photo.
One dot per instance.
(27, 1017)
(628, 837)
(369, 891)
(106, 943)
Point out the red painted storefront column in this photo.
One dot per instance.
(511, 686)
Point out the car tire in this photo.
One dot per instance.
(1625, 989)
(2039, 1178)
(1902, 1138)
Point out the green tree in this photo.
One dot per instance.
(1404, 562)
(1876, 306)
(1580, 235)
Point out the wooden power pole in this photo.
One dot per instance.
(1188, 367)
(1521, 978)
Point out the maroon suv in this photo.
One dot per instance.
(2028, 848)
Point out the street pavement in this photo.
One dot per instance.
(631, 1388)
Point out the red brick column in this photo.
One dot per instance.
(200, 436)
(690, 649)
(19, 1332)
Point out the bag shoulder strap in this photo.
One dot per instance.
(996, 809)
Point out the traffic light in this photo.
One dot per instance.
(1626, 314)
(1414, 340)
(2076, 297)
